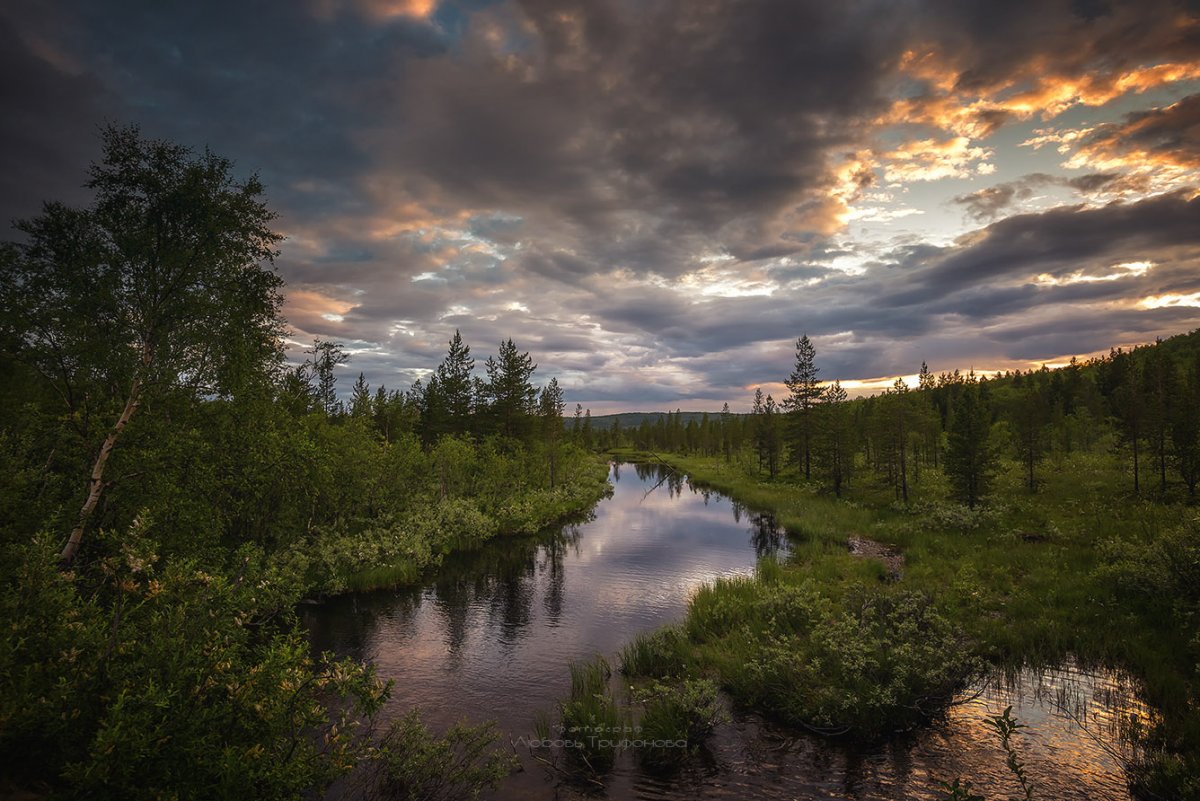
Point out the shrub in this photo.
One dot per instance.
(112, 680)
(876, 661)
(677, 720)
(412, 764)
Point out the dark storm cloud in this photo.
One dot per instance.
(1064, 239)
(48, 127)
(562, 171)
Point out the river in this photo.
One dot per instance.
(491, 636)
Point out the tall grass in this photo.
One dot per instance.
(592, 717)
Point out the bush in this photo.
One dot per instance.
(412, 764)
(874, 662)
(677, 720)
(110, 682)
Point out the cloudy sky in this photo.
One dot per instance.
(656, 197)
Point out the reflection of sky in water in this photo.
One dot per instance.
(493, 634)
(491, 637)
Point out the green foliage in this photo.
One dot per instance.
(676, 720)
(1005, 727)
(410, 763)
(958, 790)
(657, 654)
(593, 717)
(1163, 774)
(970, 457)
(113, 680)
(866, 664)
(143, 352)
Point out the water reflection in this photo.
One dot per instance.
(491, 635)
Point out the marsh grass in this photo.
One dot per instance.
(592, 717)
(1083, 568)
(676, 721)
(657, 654)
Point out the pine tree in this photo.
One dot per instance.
(1185, 430)
(726, 433)
(550, 411)
(1129, 404)
(1029, 418)
(896, 407)
(760, 430)
(324, 358)
(803, 398)
(771, 443)
(1159, 393)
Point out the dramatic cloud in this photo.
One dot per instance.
(657, 198)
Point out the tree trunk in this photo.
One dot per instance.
(96, 482)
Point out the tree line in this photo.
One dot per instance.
(1143, 403)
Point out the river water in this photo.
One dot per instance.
(491, 636)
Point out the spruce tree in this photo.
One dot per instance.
(1029, 417)
(969, 456)
(360, 398)
(760, 430)
(455, 388)
(324, 358)
(550, 411)
(1185, 430)
(834, 449)
(509, 391)
(803, 398)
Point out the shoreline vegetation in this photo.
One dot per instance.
(1024, 544)
(373, 568)
(175, 487)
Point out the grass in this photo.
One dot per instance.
(676, 721)
(524, 515)
(657, 654)
(397, 574)
(1027, 580)
(592, 717)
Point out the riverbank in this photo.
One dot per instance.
(1080, 570)
(400, 552)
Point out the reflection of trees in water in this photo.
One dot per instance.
(499, 579)
(616, 472)
(345, 625)
(553, 551)
(502, 577)
(647, 471)
(657, 475)
(767, 536)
